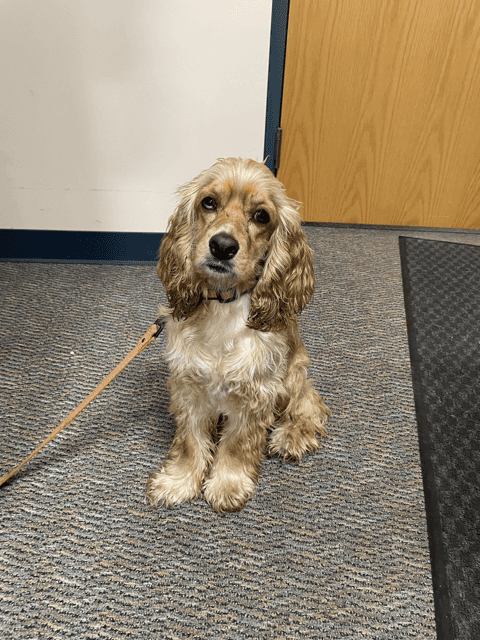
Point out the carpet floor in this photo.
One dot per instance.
(442, 297)
(333, 547)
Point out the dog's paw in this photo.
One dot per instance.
(170, 489)
(292, 441)
(228, 491)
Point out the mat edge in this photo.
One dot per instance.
(441, 594)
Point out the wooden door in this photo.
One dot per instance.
(381, 111)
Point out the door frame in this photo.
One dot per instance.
(276, 69)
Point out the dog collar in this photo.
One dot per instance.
(224, 297)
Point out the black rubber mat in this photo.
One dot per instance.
(442, 300)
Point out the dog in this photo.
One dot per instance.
(237, 270)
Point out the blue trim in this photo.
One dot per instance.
(78, 246)
(278, 43)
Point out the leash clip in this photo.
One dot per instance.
(160, 322)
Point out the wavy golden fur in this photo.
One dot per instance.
(237, 370)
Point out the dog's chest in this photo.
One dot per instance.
(208, 345)
(219, 350)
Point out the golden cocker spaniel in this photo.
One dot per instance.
(237, 270)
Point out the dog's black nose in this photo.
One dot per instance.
(223, 247)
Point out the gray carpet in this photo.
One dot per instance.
(334, 547)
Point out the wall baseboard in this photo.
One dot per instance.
(78, 246)
(25, 245)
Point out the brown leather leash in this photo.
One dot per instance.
(153, 332)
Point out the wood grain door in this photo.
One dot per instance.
(381, 111)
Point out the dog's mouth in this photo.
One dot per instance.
(219, 267)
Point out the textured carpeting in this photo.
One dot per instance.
(334, 547)
(442, 296)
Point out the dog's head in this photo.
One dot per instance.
(236, 229)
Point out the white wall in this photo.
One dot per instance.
(106, 106)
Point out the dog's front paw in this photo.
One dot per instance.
(228, 491)
(164, 486)
(293, 441)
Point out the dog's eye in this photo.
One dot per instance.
(209, 204)
(261, 216)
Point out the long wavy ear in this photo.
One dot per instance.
(174, 267)
(287, 281)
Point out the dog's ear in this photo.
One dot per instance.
(287, 281)
(174, 267)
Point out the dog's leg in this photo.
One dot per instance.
(234, 473)
(302, 414)
(181, 477)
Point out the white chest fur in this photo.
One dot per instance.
(220, 351)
